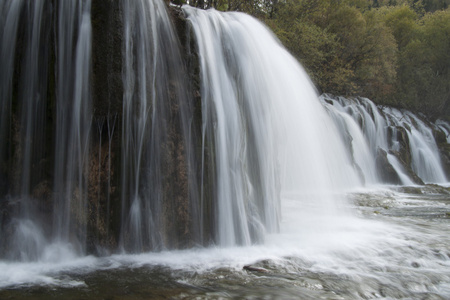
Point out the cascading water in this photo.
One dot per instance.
(144, 128)
(226, 144)
(28, 101)
(73, 123)
(9, 17)
(27, 241)
(160, 206)
(218, 173)
(426, 160)
(262, 117)
(373, 130)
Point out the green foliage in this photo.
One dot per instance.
(424, 73)
(258, 8)
(343, 44)
(394, 52)
(434, 5)
(377, 71)
(402, 20)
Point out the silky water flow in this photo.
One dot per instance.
(293, 178)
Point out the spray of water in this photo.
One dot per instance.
(271, 158)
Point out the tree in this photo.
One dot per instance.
(377, 72)
(402, 20)
(435, 38)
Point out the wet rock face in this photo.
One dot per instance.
(102, 195)
(103, 215)
(107, 32)
(445, 157)
(407, 167)
(444, 148)
(405, 152)
(385, 169)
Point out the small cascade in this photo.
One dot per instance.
(350, 120)
(400, 170)
(426, 160)
(425, 157)
(387, 140)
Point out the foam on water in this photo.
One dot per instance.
(269, 132)
(401, 252)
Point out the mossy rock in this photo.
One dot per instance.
(410, 190)
(440, 136)
(438, 189)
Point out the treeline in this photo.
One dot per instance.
(396, 53)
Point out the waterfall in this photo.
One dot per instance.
(407, 141)
(28, 130)
(263, 119)
(73, 123)
(215, 123)
(140, 210)
(426, 161)
(9, 20)
(158, 184)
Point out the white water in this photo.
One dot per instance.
(426, 161)
(27, 236)
(405, 180)
(353, 257)
(372, 128)
(264, 118)
(267, 125)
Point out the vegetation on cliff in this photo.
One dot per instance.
(395, 52)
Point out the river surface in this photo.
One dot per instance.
(385, 243)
